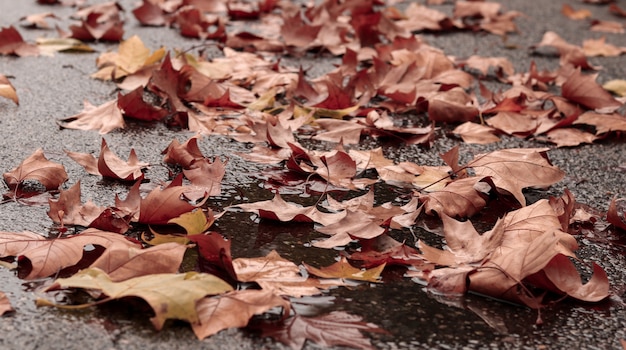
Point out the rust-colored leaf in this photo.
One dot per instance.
(37, 167)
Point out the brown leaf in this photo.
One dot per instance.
(122, 261)
(386, 250)
(613, 215)
(215, 255)
(476, 133)
(49, 256)
(36, 167)
(603, 122)
(459, 198)
(207, 175)
(132, 105)
(5, 304)
(7, 90)
(234, 310)
(569, 12)
(109, 165)
(183, 154)
(336, 328)
(342, 269)
(451, 106)
(278, 209)
(570, 137)
(12, 43)
(585, 90)
(99, 22)
(275, 274)
(68, 209)
(517, 168)
(162, 205)
(104, 118)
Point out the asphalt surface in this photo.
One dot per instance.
(50, 88)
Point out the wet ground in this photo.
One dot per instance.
(53, 87)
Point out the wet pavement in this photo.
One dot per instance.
(50, 88)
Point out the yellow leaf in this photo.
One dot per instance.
(48, 46)
(264, 102)
(171, 296)
(194, 222)
(616, 86)
(323, 112)
(159, 238)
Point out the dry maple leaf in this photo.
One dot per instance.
(49, 256)
(275, 274)
(36, 167)
(517, 168)
(569, 12)
(5, 304)
(278, 209)
(171, 296)
(603, 122)
(585, 90)
(104, 118)
(7, 90)
(12, 43)
(162, 205)
(122, 262)
(109, 165)
(234, 309)
(342, 269)
(131, 57)
(99, 22)
(183, 154)
(207, 175)
(459, 198)
(336, 328)
(132, 105)
(476, 133)
(526, 246)
(386, 250)
(613, 215)
(215, 256)
(69, 210)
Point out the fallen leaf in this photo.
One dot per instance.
(38, 20)
(49, 256)
(613, 215)
(336, 328)
(7, 90)
(278, 209)
(616, 86)
(131, 57)
(162, 205)
(109, 165)
(342, 269)
(517, 168)
(48, 46)
(5, 304)
(603, 122)
(122, 262)
(36, 167)
(99, 22)
(12, 43)
(104, 118)
(476, 133)
(69, 210)
(569, 12)
(234, 310)
(275, 274)
(171, 296)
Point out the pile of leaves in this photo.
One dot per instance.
(390, 84)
